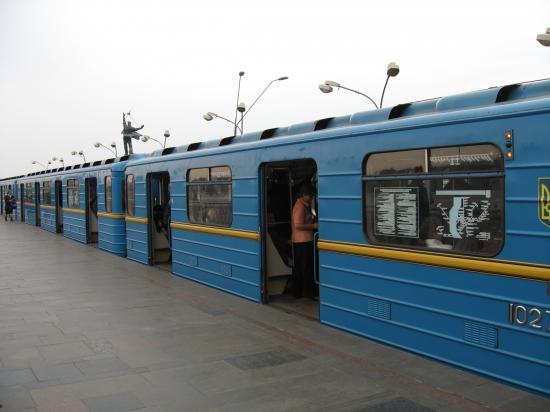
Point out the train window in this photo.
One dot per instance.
(209, 196)
(130, 195)
(73, 195)
(28, 192)
(47, 192)
(444, 206)
(108, 194)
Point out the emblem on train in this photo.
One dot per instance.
(544, 200)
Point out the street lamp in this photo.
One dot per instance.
(208, 116)
(34, 162)
(544, 38)
(241, 108)
(146, 138)
(79, 153)
(328, 87)
(97, 145)
(58, 159)
(241, 74)
(243, 113)
(391, 71)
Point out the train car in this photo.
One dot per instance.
(30, 198)
(434, 223)
(93, 208)
(84, 202)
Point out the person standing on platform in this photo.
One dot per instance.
(8, 206)
(303, 226)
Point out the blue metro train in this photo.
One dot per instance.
(434, 221)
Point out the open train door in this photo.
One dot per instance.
(22, 202)
(37, 203)
(59, 206)
(159, 212)
(281, 182)
(92, 224)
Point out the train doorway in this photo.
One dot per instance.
(92, 225)
(37, 203)
(159, 212)
(59, 206)
(22, 202)
(282, 183)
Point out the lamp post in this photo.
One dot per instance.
(34, 162)
(146, 138)
(208, 116)
(391, 71)
(79, 153)
(544, 38)
(244, 113)
(58, 159)
(97, 145)
(241, 107)
(241, 74)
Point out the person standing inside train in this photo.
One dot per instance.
(303, 226)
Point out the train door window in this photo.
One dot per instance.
(445, 198)
(108, 194)
(285, 280)
(28, 192)
(130, 195)
(73, 195)
(209, 196)
(159, 210)
(47, 193)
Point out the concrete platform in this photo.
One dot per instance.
(83, 330)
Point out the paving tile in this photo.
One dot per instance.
(99, 366)
(119, 402)
(265, 359)
(12, 377)
(47, 371)
(65, 351)
(54, 395)
(72, 406)
(15, 397)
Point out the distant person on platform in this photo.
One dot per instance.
(303, 226)
(129, 133)
(8, 206)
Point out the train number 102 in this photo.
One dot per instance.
(522, 315)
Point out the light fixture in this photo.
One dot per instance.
(544, 38)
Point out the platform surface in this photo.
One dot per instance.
(83, 330)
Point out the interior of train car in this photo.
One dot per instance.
(281, 183)
(37, 203)
(59, 206)
(22, 201)
(92, 226)
(159, 211)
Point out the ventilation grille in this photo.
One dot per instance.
(379, 308)
(481, 334)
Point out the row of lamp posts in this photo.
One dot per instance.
(238, 125)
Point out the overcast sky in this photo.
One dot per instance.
(69, 68)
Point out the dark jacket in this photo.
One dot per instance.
(7, 204)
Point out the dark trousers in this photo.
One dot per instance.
(128, 146)
(302, 272)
